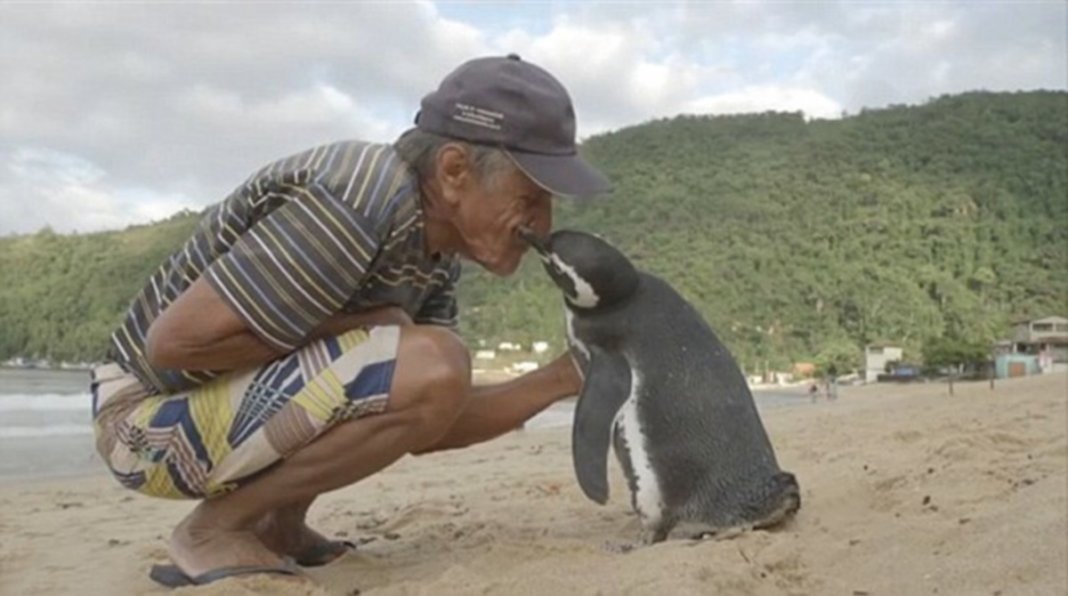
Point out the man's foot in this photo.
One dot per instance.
(198, 547)
(289, 536)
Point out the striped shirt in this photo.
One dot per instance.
(337, 228)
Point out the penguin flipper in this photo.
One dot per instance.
(606, 388)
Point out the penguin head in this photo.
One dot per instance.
(591, 272)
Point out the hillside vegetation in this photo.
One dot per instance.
(797, 240)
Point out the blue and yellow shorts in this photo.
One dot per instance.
(206, 441)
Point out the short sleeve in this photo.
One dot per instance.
(296, 266)
(440, 307)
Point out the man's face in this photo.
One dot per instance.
(490, 212)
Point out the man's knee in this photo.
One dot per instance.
(433, 375)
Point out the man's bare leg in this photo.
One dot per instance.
(286, 532)
(491, 411)
(430, 384)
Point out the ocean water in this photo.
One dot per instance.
(46, 428)
(44, 415)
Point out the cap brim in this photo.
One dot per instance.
(565, 175)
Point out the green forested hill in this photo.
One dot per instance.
(794, 238)
(62, 295)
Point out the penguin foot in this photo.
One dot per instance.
(697, 532)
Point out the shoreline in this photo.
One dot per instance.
(33, 381)
(53, 456)
(17, 379)
(45, 428)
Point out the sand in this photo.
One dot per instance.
(906, 491)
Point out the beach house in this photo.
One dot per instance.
(1045, 338)
(876, 357)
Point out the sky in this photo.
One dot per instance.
(115, 113)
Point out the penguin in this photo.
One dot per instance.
(662, 391)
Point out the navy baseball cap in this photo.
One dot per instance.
(521, 108)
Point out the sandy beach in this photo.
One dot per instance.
(906, 490)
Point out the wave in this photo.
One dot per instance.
(46, 402)
(22, 432)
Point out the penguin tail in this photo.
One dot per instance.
(780, 500)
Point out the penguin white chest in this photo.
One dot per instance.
(648, 501)
(572, 339)
(584, 296)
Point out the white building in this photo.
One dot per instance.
(876, 357)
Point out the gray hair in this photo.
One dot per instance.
(419, 149)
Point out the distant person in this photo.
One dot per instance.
(832, 382)
(302, 339)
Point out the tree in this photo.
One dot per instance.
(954, 353)
(838, 357)
(891, 225)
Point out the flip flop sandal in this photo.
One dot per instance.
(173, 577)
(324, 552)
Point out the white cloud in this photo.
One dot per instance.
(610, 71)
(766, 98)
(320, 105)
(114, 112)
(67, 193)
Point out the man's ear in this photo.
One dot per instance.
(453, 171)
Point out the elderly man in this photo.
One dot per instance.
(301, 339)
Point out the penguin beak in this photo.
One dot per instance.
(538, 243)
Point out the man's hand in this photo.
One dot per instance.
(566, 374)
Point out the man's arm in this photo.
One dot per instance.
(280, 282)
(200, 331)
(493, 410)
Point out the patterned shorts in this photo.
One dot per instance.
(206, 441)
